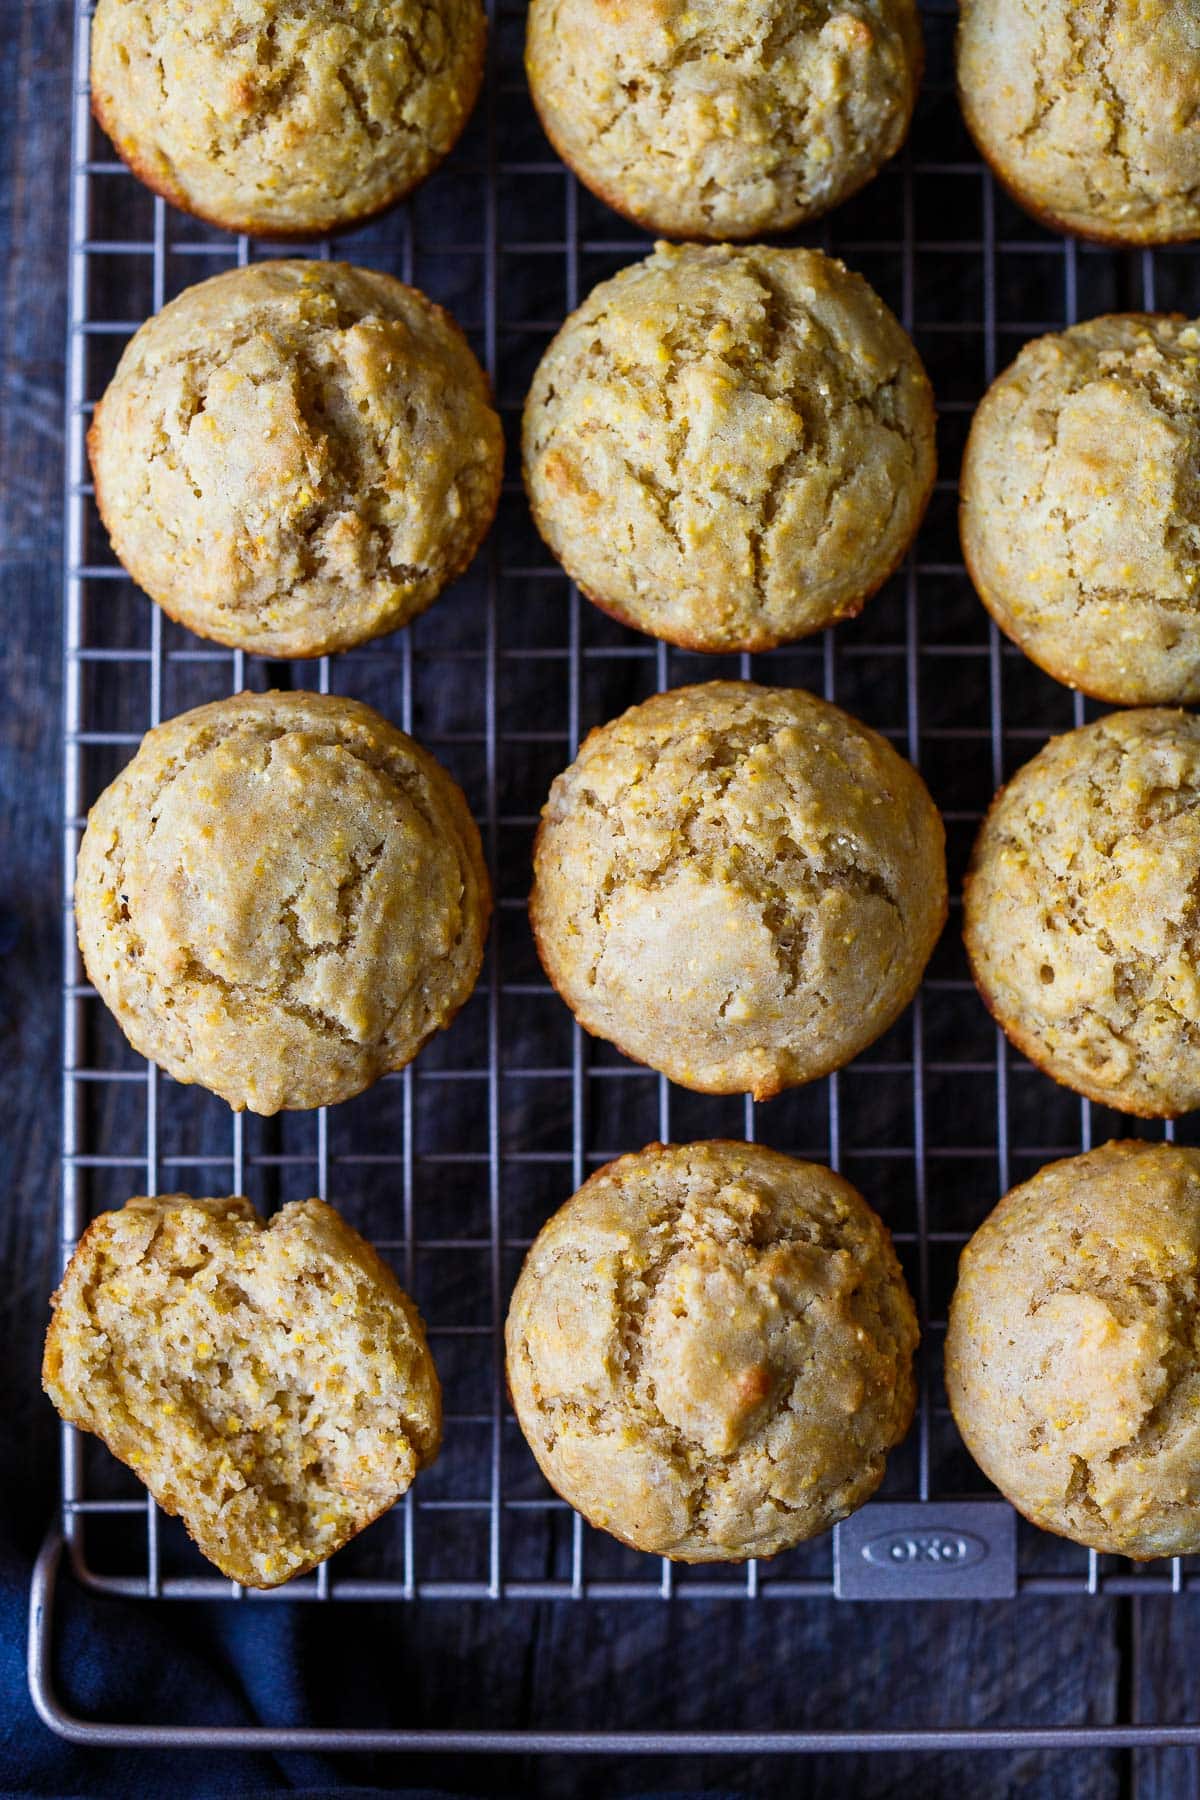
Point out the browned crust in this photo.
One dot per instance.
(751, 644)
(775, 1084)
(645, 220)
(1023, 1040)
(290, 646)
(1052, 221)
(1060, 672)
(283, 646)
(1105, 1546)
(750, 1555)
(50, 1355)
(757, 643)
(733, 1559)
(265, 230)
(388, 1278)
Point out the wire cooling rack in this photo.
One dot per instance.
(451, 1166)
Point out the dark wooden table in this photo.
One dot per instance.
(1054, 1659)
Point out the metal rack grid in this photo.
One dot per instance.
(451, 1166)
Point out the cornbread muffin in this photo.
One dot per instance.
(710, 1350)
(1081, 506)
(738, 885)
(702, 120)
(1081, 911)
(281, 897)
(1086, 111)
(285, 118)
(270, 1384)
(1072, 1362)
(297, 456)
(730, 448)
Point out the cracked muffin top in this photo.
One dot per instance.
(709, 1350)
(738, 885)
(704, 120)
(297, 456)
(1080, 512)
(1072, 1355)
(1086, 110)
(271, 1384)
(1081, 911)
(285, 118)
(281, 898)
(730, 448)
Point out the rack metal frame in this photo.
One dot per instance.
(155, 662)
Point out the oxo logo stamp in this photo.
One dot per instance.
(927, 1550)
(942, 1549)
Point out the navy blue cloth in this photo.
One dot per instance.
(273, 1663)
(181, 1663)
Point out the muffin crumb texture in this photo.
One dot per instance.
(730, 448)
(281, 897)
(700, 119)
(710, 1350)
(1081, 506)
(739, 886)
(1073, 1356)
(285, 118)
(270, 1384)
(1081, 911)
(1086, 109)
(297, 456)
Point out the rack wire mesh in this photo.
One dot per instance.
(451, 1166)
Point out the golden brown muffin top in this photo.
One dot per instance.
(1080, 910)
(730, 447)
(285, 118)
(705, 120)
(1081, 506)
(1086, 109)
(1072, 1358)
(738, 885)
(297, 456)
(281, 897)
(710, 1348)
